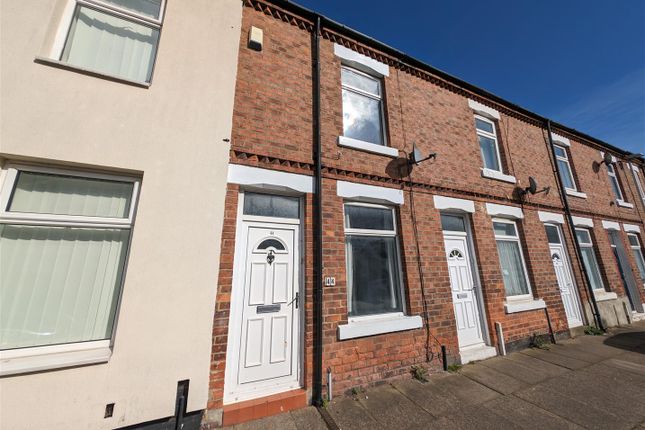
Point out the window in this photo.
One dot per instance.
(516, 281)
(589, 258)
(362, 107)
(453, 223)
(613, 179)
(637, 250)
(114, 37)
(639, 183)
(552, 234)
(64, 240)
(488, 143)
(564, 167)
(373, 264)
(271, 205)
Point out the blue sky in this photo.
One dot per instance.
(578, 62)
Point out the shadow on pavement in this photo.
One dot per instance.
(633, 341)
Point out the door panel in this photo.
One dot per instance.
(463, 292)
(269, 311)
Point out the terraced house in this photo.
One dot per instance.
(113, 157)
(380, 213)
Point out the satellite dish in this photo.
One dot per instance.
(533, 186)
(607, 158)
(416, 156)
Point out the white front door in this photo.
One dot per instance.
(267, 314)
(564, 276)
(464, 296)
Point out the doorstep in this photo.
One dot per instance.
(476, 353)
(248, 410)
(637, 316)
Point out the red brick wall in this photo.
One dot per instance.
(272, 128)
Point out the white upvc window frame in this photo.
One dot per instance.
(590, 245)
(376, 233)
(363, 144)
(499, 237)
(489, 135)
(47, 357)
(565, 159)
(60, 39)
(613, 176)
(640, 186)
(637, 249)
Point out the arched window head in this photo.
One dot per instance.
(455, 253)
(270, 243)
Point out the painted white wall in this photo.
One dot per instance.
(172, 133)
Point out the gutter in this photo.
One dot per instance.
(414, 62)
(572, 229)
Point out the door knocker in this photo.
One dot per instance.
(270, 257)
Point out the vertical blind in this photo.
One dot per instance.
(68, 195)
(59, 284)
(110, 44)
(512, 268)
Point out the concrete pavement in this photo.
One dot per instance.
(593, 382)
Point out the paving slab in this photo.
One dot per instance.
(516, 370)
(308, 419)
(572, 410)
(557, 359)
(602, 392)
(537, 365)
(528, 416)
(478, 417)
(277, 422)
(589, 346)
(350, 414)
(394, 410)
(429, 397)
(492, 378)
(466, 390)
(576, 354)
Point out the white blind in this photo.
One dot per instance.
(67, 195)
(110, 44)
(58, 285)
(512, 268)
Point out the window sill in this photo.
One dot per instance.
(378, 325)
(62, 65)
(578, 194)
(624, 204)
(602, 295)
(511, 307)
(367, 146)
(37, 359)
(494, 174)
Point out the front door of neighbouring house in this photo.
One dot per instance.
(563, 274)
(464, 296)
(263, 353)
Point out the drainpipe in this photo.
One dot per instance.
(318, 222)
(576, 245)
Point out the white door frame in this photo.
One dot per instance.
(479, 293)
(567, 264)
(232, 393)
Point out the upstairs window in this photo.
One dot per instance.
(115, 37)
(487, 134)
(564, 167)
(516, 281)
(63, 248)
(637, 250)
(639, 183)
(589, 258)
(362, 107)
(615, 184)
(373, 263)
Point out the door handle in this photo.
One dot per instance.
(296, 299)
